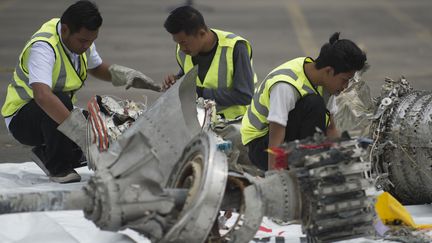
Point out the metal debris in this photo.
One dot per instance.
(401, 154)
(169, 174)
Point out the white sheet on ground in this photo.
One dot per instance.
(71, 226)
(47, 227)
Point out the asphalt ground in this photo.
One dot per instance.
(396, 34)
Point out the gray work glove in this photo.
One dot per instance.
(121, 75)
(75, 128)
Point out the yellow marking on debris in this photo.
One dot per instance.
(301, 28)
(422, 32)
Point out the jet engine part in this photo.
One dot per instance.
(227, 133)
(355, 109)
(203, 170)
(109, 117)
(332, 184)
(324, 189)
(37, 201)
(247, 203)
(128, 191)
(169, 124)
(402, 131)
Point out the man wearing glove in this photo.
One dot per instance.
(52, 67)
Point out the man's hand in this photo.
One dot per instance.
(131, 78)
(141, 81)
(169, 80)
(276, 137)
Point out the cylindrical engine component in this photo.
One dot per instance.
(203, 170)
(281, 193)
(402, 152)
(43, 201)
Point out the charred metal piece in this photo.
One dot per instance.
(324, 190)
(174, 109)
(402, 132)
(127, 191)
(108, 118)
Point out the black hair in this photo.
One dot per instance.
(342, 55)
(186, 19)
(82, 14)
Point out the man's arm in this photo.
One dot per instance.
(101, 72)
(124, 76)
(49, 103)
(171, 79)
(283, 98)
(118, 75)
(41, 62)
(243, 81)
(40, 65)
(276, 138)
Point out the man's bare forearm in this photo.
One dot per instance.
(49, 103)
(101, 72)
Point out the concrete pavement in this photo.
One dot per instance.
(396, 35)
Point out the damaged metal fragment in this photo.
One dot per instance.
(402, 148)
(331, 182)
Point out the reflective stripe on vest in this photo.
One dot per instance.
(255, 123)
(221, 71)
(64, 76)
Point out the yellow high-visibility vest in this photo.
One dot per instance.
(64, 77)
(221, 70)
(255, 123)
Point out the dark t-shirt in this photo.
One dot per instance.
(204, 60)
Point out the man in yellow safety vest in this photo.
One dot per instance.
(39, 107)
(224, 59)
(290, 103)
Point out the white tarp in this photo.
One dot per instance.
(46, 227)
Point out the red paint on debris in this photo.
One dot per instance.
(267, 230)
